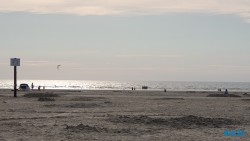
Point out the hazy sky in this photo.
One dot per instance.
(181, 40)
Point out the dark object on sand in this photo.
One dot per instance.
(29, 95)
(88, 128)
(245, 99)
(186, 122)
(222, 95)
(46, 99)
(144, 87)
(83, 105)
(246, 94)
(85, 128)
(169, 98)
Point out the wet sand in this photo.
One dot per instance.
(122, 115)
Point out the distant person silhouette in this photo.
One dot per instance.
(226, 92)
(32, 86)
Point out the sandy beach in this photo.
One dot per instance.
(110, 115)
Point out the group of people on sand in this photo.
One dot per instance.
(225, 93)
(133, 89)
(39, 87)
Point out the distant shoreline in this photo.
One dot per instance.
(122, 85)
(122, 90)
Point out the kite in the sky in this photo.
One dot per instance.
(58, 67)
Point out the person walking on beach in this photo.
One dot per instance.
(32, 86)
(226, 93)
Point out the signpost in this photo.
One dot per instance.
(15, 62)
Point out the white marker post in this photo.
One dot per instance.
(15, 62)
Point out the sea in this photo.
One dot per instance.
(127, 85)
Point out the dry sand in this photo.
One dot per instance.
(121, 115)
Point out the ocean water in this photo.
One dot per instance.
(127, 85)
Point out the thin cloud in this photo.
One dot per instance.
(4, 63)
(36, 61)
(128, 7)
(125, 69)
(228, 67)
(148, 56)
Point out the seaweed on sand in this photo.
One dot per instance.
(185, 122)
(39, 94)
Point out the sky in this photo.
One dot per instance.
(150, 40)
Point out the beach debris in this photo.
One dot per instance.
(107, 102)
(46, 99)
(12, 124)
(185, 122)
(246, 94)
(190, 92)
(245, 99)
(85, 98)
(39, 94)
(87, 128)
(50, 105)
(82, 105)
(169, 98)
(222, 95)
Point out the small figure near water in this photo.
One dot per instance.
(226, 92)
(39, 87)
(32, 86)
(165, 90)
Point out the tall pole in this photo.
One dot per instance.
(15, 81)
(15, 62)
